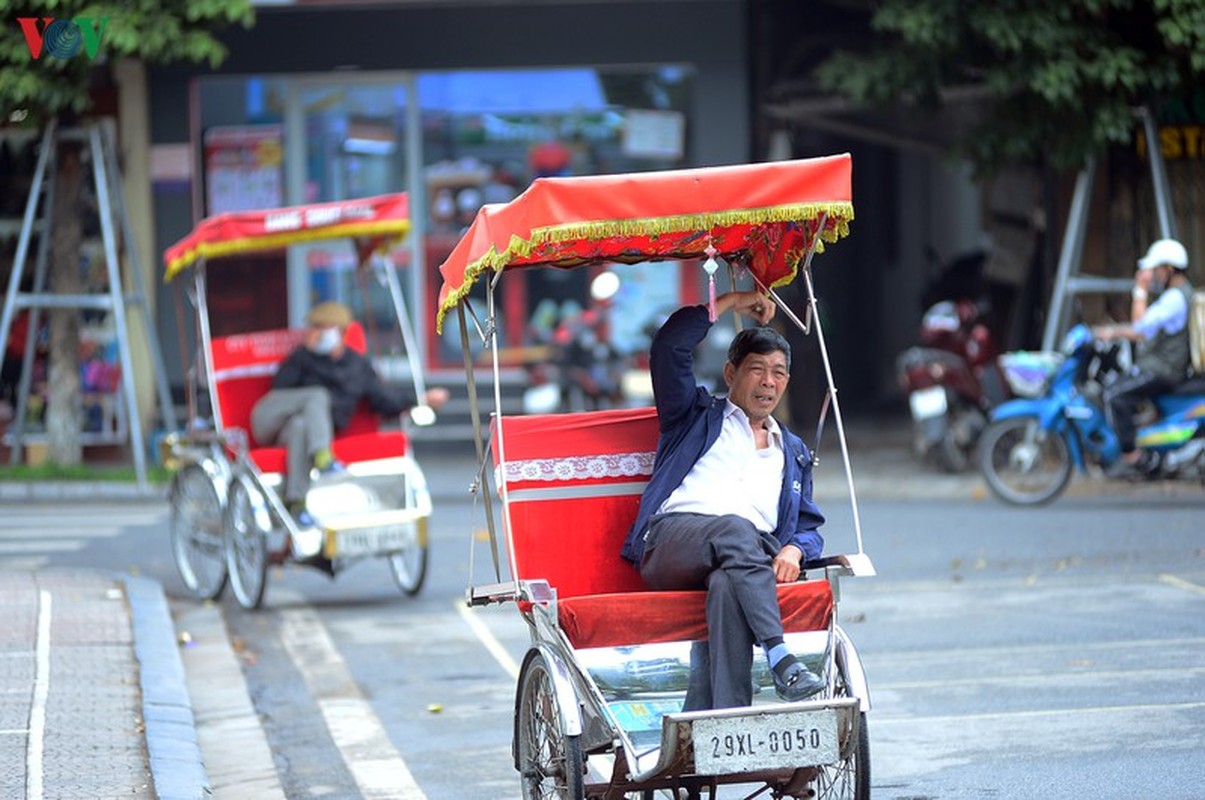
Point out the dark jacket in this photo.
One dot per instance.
(349, 379)
(690, 419)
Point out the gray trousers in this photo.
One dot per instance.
(733, 561)
(299, 419)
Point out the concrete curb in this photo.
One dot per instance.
(237, 754)
(176, 765)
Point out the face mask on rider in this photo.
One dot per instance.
(1158, 284)
(327, 341)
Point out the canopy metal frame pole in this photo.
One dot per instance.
(481, 487)
(496, 373)
(812, 313)
(388, 270)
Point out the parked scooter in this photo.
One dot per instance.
(952, 380)
(1028, 452)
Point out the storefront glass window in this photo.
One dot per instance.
(485, 136)
(488, 134)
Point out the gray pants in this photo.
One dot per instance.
(733, 561)
(299, 419)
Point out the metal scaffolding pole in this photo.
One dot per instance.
(99, 139)
(1069, 281)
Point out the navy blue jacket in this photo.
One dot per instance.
(690, 419)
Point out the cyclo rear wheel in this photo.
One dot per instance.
(409, 565)
(246, 548)
(196, 531)
(550, 761)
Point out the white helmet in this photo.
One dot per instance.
(1165, 251)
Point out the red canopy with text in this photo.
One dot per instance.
(374, 221)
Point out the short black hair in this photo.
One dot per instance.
(760, 340)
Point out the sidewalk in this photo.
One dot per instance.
(92, 695)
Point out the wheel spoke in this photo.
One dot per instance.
(409, 564)
(196, 524)
(246, 548)
(549, 762)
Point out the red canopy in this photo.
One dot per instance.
(381, 220)
(764, 215)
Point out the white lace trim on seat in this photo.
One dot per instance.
(580, 468)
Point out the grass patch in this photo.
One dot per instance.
(119, 473)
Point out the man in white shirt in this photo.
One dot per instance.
(728, 507)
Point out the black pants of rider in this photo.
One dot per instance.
(733, 561)
(1125, 397)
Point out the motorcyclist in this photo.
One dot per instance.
(1160, 302)
(587, 359)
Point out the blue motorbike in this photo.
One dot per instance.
(1028, 452)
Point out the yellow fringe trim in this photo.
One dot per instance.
(395, 230)
(839, 217)
(604, 229)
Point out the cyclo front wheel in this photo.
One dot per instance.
(849, 778)
(246, 548)
(196, 532)
(1022, 463)
(550, 761)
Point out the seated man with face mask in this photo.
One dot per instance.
(313, 397)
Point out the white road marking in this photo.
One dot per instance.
(72, 513)
(25, 564)
(1022, 651)
(41, 694)
(57, 546)
(488, 640)
(55, 531)
(1180, 583)
(1092, 677)
(1038, 713)
(374, 763)
(58, 533)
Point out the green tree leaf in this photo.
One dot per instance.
(1062, 78)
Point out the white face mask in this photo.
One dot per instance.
(327, 341)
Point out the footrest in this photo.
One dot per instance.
(755, 740)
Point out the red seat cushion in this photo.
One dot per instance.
(614, 620)
(348, 449)
(573, 485)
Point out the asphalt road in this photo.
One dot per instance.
(1054, 652)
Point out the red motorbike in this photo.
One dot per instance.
(952, 381)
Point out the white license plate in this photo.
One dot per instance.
(927, 403)
(727, 745)
(371, 541)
